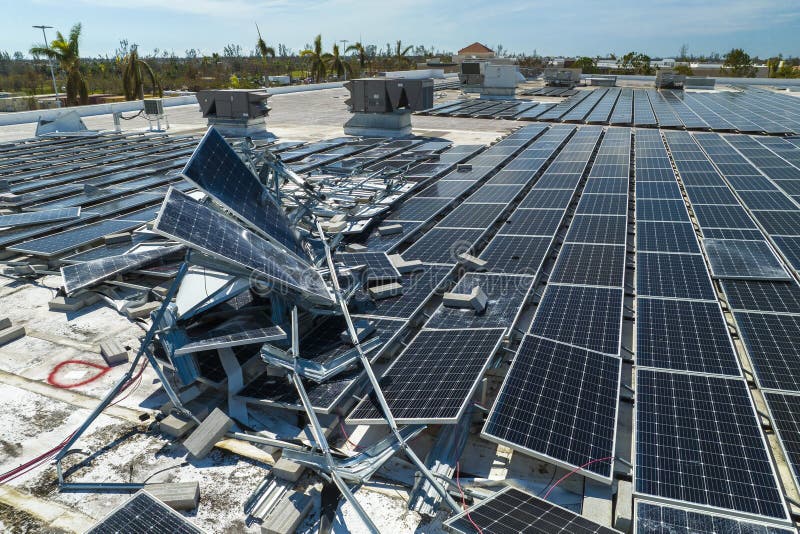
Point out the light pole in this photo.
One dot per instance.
(344, 51)
(50, 60)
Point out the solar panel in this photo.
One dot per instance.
(782, 297)
(602, 204)
(684, 335)
(533, 222)
(587, 264)
(144, 513)
(666, 237)
(661, 210)
(652, 517)
(559, 403)
(506, 295)
(233, 333)
(732, 233)
(547, 198)
(55, 244)
(514, 511)
(712, 216)
(743, 260)
(434, 377)
(779, 222)
(767, 200)
(616, 186)
(784, 410)
(469, 215)
(378, 266)
(686, 451)
(38, 217)
(502, 194)
(588, 317)
(771, 342)
(418, 209)
(673, 275)
(443, 245)
(217, 169)
(516, 254)
(662, 190)
(82, 275)
(200, 227)
(609, 229)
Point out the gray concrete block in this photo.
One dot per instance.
(623, 512)
(177, 495)
(471, 262)
(7, 335)
(333, 227)
(113, 239)
(144, 310)
(363, 330)
(386, 291)
(404, 266)
(5, 322)
(288, 513)
(390, 229)
(175, 426)
(210, 431)
(475, 300)
(70, 304)
(288, 470)
(113, 352)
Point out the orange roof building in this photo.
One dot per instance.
(476, 49)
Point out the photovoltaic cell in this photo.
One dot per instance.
(588, 264)
(378, 266)
(661, 210)
(198, 226)
(743, 260)
(653, 236)
(709, 216)
(686, 449)
(602, 204)
(533, 222)
(755, 295)
(38, 217)
(560, 403)
(434, 377)
(684, 335)
(589, 317)
(516, 254)
(513, 511)
(443, 245)
(772, 344)
(217, 169)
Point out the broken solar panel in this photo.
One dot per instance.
(144, 513)
(686, 451)
(378, 267)
(418, 286)
(559, 403)
(38, 217)
(217, 169)
(82, 275)
(514, 511)
(434, 377)
(654, 518)
(744, 260)
(188, 221)
(241, 330)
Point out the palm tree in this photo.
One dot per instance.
(317, 57)
(358, 48)
(132, 78)
(66, 52)
(336, 64)
(262, 47)
(401, 54)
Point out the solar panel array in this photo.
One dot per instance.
(690, 389)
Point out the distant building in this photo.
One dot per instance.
(474, 51)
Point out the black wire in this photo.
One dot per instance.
(552, 478)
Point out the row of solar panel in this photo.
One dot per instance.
(689, 386)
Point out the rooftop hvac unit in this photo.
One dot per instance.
(699, 82)
(387, 95)
(472, 75)
(667, 79)
(562, 77)
(233, 104)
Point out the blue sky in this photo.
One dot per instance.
(568, 27)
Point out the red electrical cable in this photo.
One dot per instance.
(590, 462)
(51, 378)
(463, 501)
(347, 438)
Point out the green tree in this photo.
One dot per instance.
(133, 78)
(336, 64)
(637, 63)
(686, 70)
(586, 64)
(262, 47)
(738, 64)
(401, 54)
(66, 52)
(361, 53)
(317, 59)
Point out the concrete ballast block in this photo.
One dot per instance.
(471, 262)
(113, 352)
(288, 513)
(5, 322)
(210, 431)
(175, 426)
(386, 291)
(404, 266)
(475, 300)
(390, 229)
(177, 495)
(288, 470)
(7, 335)
(144, 310)
(363, 330)
(355, 247)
